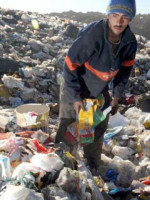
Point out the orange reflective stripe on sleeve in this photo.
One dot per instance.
(128, 63)
(105, 76)
(71, 66)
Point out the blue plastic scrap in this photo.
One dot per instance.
(111, 175)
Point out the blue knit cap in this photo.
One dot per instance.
(127, 7)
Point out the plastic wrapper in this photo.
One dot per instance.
(13, 144)
(111, 132)
(22, 154)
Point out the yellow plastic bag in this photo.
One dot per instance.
(86, 117)
(35, 24)
(92, 115)
(82, 131)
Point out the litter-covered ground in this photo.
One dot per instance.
(32, 166)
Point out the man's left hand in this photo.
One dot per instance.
(114, 105)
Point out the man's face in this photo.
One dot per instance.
(118, 22)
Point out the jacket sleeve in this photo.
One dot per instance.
(78, 54)
(122, 77)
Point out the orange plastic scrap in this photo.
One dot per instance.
(26, 134)
(4, 136)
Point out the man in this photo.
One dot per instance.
(103, 51)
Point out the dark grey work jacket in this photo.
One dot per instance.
(90, 63)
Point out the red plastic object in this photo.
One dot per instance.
(40, 148)
(128, 100)
(146, 182)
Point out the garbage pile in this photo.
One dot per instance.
(139, 83)
(32, 51)
(126, 154)
(32, 166)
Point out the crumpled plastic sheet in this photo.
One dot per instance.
(20, 193)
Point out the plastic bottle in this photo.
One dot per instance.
(5, 165)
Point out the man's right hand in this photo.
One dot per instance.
(78, 105)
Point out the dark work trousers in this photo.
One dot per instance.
(92, 152)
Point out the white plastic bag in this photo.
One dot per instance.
(122, 152)
(12, 82)
(20, 193)
(68, 180)
(133, 113)
(129, 130)
(117, 120)
(126, 170)
(27, 72)
(47, 162)
(23, 168)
